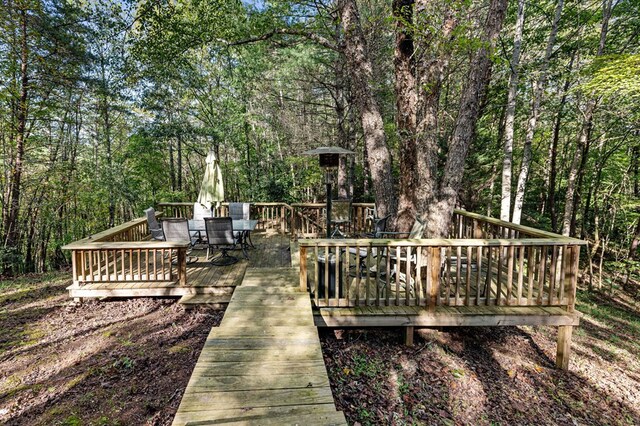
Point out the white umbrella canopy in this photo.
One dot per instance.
(212, 189)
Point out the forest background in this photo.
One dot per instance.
(108, 107)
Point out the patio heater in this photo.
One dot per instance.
(329, 158)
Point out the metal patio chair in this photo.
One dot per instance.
(152, 223)
(177, 229)
(220, 236)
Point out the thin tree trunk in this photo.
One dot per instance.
(179, 160)
(360, 71)
(11, 224)
(172, 167)
(532, 122)
(553, 154)
(582, 148)
(505, 204)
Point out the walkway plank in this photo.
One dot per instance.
(264, 364)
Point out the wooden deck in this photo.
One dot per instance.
(206, 283)
(264, 364)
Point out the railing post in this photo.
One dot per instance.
(182, 266)
(434, 278)
(303, 268)
(74, 266)
(571, 276)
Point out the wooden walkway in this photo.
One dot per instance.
(264, 364)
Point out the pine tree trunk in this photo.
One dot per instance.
(360, 71)
(405, 89)
(553, 154)
(430, 70)
(582, 147)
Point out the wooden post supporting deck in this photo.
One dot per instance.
(564, 331)
(564, 346)
(408, 335)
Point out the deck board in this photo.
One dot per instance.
(264, 364)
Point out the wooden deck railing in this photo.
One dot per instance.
(270, 216)
(532, 268)
(125, 254)
(309, 219)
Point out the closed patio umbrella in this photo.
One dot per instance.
(212, 189)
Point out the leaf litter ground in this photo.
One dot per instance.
(128, 362)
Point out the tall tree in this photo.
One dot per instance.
(509, 126)
(584, 137)
(534, 113)
(361, 73)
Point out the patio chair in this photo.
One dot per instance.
(340, 216)
(220, 236)
(397, 276)
(152, 223)
(177, 229)
(378, 229)
(200, 211)
(241, 211)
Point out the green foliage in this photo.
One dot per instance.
(615, 77)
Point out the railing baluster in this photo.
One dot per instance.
(510, 261)
(520, 275)
(467, 294)
(458, 273)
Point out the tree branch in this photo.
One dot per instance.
(306, 34)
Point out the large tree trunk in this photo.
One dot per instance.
(505, 204)
(532, 122)
(11, 236)
(577, 164)
(431, 70)
(406, 98)
(360, 71)
(439, 213)
(342, 128)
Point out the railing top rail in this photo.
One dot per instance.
(188, 203)
(102, 235)
(320, 205)
(525, 229)
(128, 245)
(439, 242)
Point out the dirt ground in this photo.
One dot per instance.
(99, 363)
(128, 362)
(492, 376)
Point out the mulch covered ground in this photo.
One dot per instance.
(99, 363)
(128, 362)
(492, 376)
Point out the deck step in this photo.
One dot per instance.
(213, 300)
